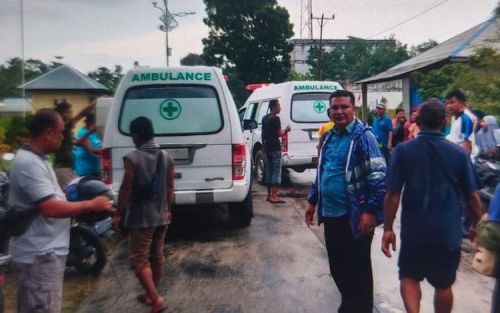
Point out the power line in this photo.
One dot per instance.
(410, 19)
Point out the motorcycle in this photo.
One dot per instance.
(488, 172)
(86, 250)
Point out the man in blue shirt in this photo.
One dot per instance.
(348, 193)
(382, 127)
(434, 173)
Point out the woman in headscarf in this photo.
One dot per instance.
(485, 137)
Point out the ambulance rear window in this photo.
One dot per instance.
(174, 110)
(310, 107)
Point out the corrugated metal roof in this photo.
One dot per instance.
(459, 47)
(64, 77)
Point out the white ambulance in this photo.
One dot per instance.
(196, 121)
(303, 107)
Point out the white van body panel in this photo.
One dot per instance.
(102, 109)
(203, 160)
(302, 138)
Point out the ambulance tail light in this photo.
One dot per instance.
(239, 161)
(284, 142)
(107, 166)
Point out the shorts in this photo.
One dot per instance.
(146, 247)
(40, 284)
(436, 263)
(272, 168)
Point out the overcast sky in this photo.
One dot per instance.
(93, 33)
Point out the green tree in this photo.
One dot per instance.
(236, 86)
(10, 74)
(107, 77)
(297, 76)
(358, 59)
(424, 46)
(250, 36)
(479, 78)
(193, 59)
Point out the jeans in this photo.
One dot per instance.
(272, 168)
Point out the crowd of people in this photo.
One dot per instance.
(363, 174)
(143, 207)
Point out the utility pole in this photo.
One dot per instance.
(23, 90)
(322, 20)
(169, 23)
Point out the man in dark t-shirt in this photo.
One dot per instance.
(271, 132)
(434, 174)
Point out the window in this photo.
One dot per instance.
(263, 110)
(250, 113)
(241, 113)
(174, 110)
(310, 107)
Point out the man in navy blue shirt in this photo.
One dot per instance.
(435, 173)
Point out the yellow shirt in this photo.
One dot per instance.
(324, 128)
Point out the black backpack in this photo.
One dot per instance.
(13, 221)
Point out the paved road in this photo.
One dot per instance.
(472, 291)
(275, 265)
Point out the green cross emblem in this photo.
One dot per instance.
(319, 106)
(170, 109)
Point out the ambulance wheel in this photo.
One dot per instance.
(241, 213)
(259, 166)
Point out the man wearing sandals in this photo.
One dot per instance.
(145, 201)
(348, 192)
(271, 132)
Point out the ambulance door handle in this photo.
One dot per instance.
(209, 179)
(178, 175)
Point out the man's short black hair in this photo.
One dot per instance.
(142, 128)
(273, 103)
(457, 93)
(431, 114)
(62, 106)
(399, 110)
(343, 93)
(43, 119)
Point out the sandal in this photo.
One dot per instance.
(144, 299)
(277, 201)
(159, 306)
